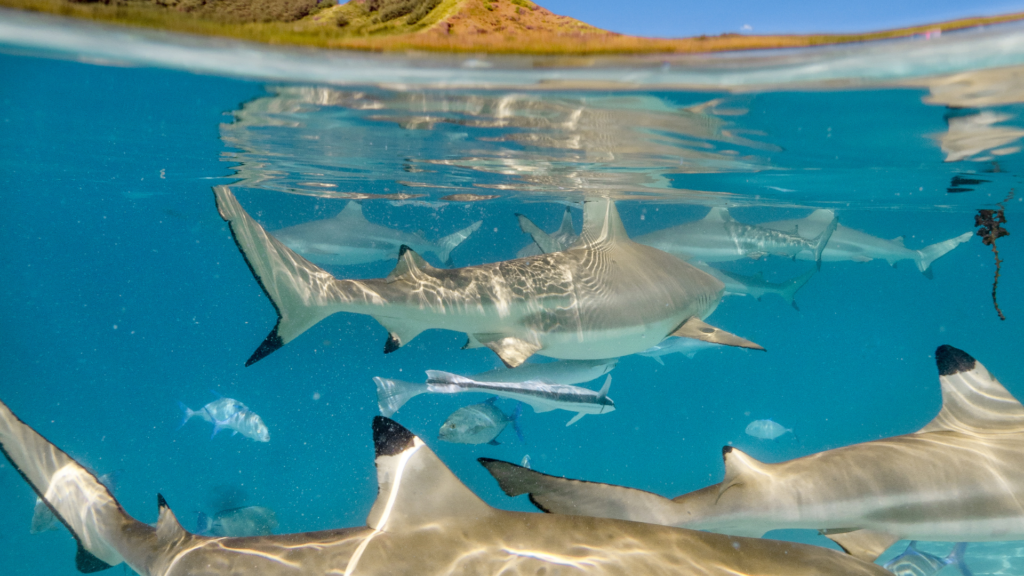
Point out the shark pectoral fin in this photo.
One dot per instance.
(581, 498)
(972, 399)
(513, 351)
(400, 332)
(659, 360)
(698, 330)
(168, 529)
(867, 545)
(544, 241)
(415, 488)
(471, 342)
(296, 287)
(410, 264)
(575, 419)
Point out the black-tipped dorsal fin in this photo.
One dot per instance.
(972, 399)
(415, 488)
(699, 330)
(867, 545)
(352, 210)
(168, 529)
(409, 265)
(601, 224)
(718, 214)
(740, 468)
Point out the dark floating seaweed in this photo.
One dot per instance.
(991, 223)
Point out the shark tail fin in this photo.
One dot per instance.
(414, 487)
(74, 495)
(295, 286)
(393, 394)
(956, 558)
(203, 523)
(444, 246)
(581, 498)
(822, 239)
(793, 285)
(516, 413)
(542, 239)
(929, 254)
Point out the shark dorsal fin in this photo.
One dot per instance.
(739, 468)
(898, 240)
(351, 210)
(601, 224)
(718, 214)
(409, 265)
(168, 529)
(972, 400)
(822, 215)
(566, 227)
(415, 489)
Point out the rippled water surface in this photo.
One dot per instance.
(124, 292)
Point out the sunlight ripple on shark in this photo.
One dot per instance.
(424, 521)
(957, 479)
(605, 296)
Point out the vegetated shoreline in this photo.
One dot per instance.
(461, 26)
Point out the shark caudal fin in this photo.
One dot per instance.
(294, 285)
(415, 489)
(544, 241)
(444, 246)
(929, 254)
(822, 239)
(581, 498)
(790, 287)
(973, 401)
(74, 495)
(393, 394)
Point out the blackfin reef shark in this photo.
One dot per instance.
(605, 296)
(719, 238)
(955, 480)
(543, 397)
(847, 244)
(424, 521)
(349, 238)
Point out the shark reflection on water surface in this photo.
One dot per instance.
(957, 479)
(605, 296)
(424, 521)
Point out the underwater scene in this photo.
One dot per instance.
(272, 292)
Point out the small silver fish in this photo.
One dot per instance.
(238, 522)
(766, 429)
(230, 414)
(478, 424)
(913, 562)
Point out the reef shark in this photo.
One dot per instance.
(349, 238)
(719, 238)
(958, 479)
(605, 296)
(424, 521)
(849, 244)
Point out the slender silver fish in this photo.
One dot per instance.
(956, 480)
(424, 521)
(605, 296)
(543, 397)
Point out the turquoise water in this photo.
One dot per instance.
(124, 292)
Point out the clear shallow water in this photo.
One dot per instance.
(124, 292)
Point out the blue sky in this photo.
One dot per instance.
(674, 18)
